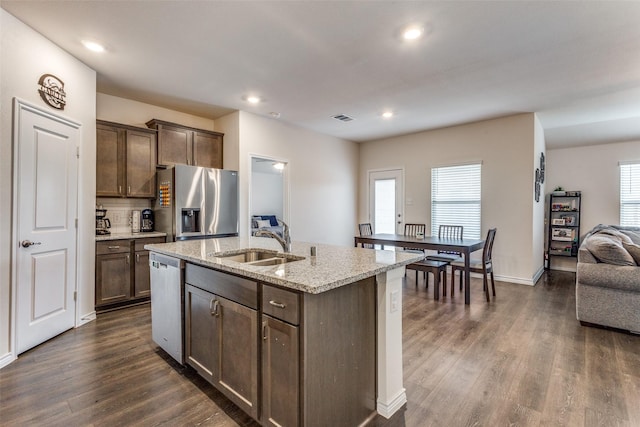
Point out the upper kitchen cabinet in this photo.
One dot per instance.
(125, 161)
(184, 145)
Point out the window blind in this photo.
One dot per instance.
(630, 194)
(456, 198)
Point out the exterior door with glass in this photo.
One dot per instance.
(386, 201)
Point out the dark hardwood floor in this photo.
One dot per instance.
(521, 360)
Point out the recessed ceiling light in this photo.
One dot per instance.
(387, 114)
(253, 99)
(413, 32)
(93, 46)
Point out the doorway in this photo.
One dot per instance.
(269, 195)
(45, 217)
(386, 201)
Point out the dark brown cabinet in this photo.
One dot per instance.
(280, 373)
(125, 161)
(221, 339)
(113, 272)
(122, 271)
(184, 145)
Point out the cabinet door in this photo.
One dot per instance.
(113, 278)
(174, 146)
(201, 332)
(280, 373)
(142, 281)
(141, 164)
(207, 150)
(109, 161)
(238, 348)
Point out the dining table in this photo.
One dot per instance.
(464, 246)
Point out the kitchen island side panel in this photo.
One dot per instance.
(339, 355)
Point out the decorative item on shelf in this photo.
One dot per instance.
(568, 220)
(562, 234)
(559, 191)
(558, 221)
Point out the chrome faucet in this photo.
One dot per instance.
(284, 242)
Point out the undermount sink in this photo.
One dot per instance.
(261, 258)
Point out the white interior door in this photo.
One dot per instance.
(386, 198)
(46, 184)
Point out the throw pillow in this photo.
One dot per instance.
(633, 235)
(263, 223)
(634, 251)
(623, 238)
(272, 219)
(608, 249)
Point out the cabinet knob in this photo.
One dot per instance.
(264, 330)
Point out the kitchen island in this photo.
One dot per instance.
(307, 340)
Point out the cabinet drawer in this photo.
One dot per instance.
(113, 247)
(139, 243)
(232, 287)
(281, 304)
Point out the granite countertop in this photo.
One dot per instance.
(129, 235)
(332, 267)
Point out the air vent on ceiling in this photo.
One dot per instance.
(343, 118)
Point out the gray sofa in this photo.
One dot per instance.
(608, 278)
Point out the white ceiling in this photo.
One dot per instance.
(576, 64)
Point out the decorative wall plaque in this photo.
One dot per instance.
(539, 177)
(51, 91)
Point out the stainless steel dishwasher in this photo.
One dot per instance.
(167, 293)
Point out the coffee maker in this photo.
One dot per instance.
(146, 223)
(102, 223)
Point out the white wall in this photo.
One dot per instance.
(267, 194)
(26, 55)
(594, 171)
(506, 148)
(538, 230)
(134, 113)
(322, 177)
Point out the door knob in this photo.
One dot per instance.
(27, 243)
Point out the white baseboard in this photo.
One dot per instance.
(387, 409)
(6, 359)
(89, 317)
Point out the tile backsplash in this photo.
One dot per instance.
(119, 211)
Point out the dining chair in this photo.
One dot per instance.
(448, 232)
(484, 266)
(366, 230)
(414, 230)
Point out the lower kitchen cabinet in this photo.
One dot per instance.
(113, 272)
(221, 336)
(122, 271)
(313, 361)
(280, 373)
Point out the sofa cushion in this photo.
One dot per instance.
(608, 248)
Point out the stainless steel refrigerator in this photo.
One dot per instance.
(195, 202)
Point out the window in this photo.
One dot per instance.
(630, 194)
(455, 198)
